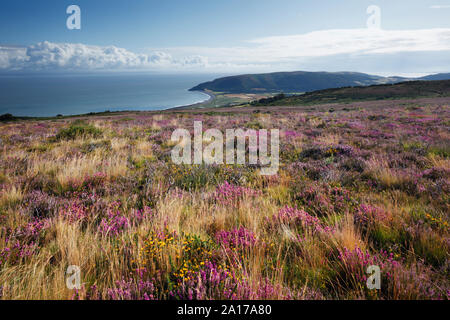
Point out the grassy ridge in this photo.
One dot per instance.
(299, 81)
(404, 90)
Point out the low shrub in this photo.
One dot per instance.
(78, 129)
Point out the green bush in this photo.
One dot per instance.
(6, 117)
(443, 151)
(78, 129)
(255, 125)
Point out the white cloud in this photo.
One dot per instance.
(327, 43)
(12, 57)
(440, 7)
(354, 41)
(365, 50)
(345, 49)
(68, 56)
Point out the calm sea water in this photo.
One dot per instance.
(49, 95)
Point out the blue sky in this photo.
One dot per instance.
(219, 35)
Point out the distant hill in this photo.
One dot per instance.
(403, 90)
(439, 76)
(299, 81)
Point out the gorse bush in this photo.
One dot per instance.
(78, 129)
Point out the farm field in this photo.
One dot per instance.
(221, 99)
(359, 184)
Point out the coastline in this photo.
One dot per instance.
(210, 94)
(211, 97)
(323, 106)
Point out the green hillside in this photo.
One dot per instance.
(292, 82)
(300, 81)
(404, 90)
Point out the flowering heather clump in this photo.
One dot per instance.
(299, 218)
(211, 282)
(115, 222)
(32, 229)
(15, 251)
(313, 170)
(40, 204)
(397, 281)
(16, 139)
(22, 242)
(436, 173)
(292, 134)
(218, 282)
(140, 215)
(352, 266)
(90, 182)
(376, 134)
(367, 215)
(236, 238)
(87, 183)
(74, 211)
(323, 199)
(229, 194)
(131, 290)
(359, 259)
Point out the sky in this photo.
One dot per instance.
(236, 36)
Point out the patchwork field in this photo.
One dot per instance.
(359, 184)
(221, 99)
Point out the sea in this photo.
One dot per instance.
(47, 95)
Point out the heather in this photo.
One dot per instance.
(359, 184)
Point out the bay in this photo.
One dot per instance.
(53, 94)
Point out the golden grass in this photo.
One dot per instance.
(11, 196)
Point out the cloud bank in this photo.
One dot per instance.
(440, 7)
(47, 56)
(367, 49)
